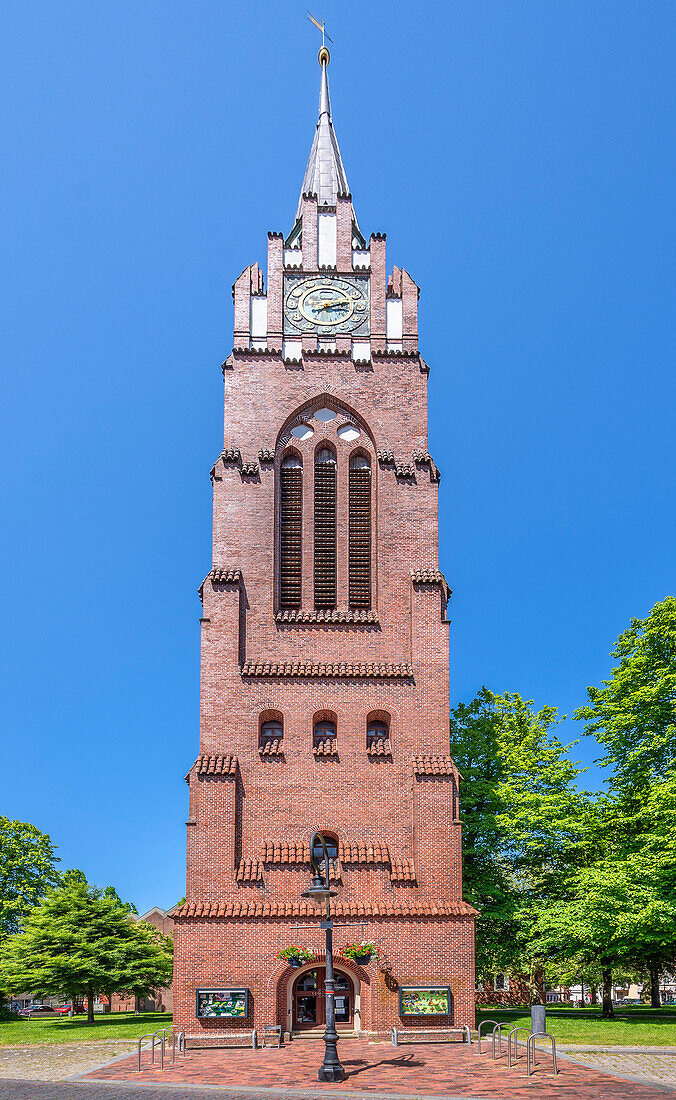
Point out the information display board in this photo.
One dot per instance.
(424, 1000)
(227, 1004)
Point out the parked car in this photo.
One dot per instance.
(37, 1010)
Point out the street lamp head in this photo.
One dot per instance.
(318, 891)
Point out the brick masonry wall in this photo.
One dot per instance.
(252, 663)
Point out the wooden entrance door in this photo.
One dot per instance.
(309, 1000)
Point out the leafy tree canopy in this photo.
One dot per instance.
(522, 821)
(27, 868)
(80, 941)
(633, 714)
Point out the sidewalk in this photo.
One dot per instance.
(452, 1070)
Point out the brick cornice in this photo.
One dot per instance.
(311, 617)
(223, 764)
(434, 765)
(346, 671)
(433, 577)
(250, 910)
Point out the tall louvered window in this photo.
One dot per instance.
(325, 529)
(291, 525)
(360, 532)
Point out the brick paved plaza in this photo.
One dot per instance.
(378, 1068)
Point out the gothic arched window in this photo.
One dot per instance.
(290, 532)
(325, 529)
(359, 552)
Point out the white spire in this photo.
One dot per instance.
(324, 176)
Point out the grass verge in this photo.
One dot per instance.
(632, 1026)
(117, 1025)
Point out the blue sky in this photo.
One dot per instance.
(519, 156)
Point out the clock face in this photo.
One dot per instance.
(326, 305)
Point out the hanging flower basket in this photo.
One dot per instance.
(295, 955)
(362, 953)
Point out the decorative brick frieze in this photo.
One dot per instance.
(266, 456)
(423, 458)
(402, 870)
(326, 747)
(283, 852)
(253, 910)
(432, 577)
(272, 747)
(434, 765)
(336, 670)
(250, 469)
(232, 456)
(215, 764)
(363, 853)
(301, 618)
(220, 578)
(249, 870)
(404, 470)
(379, 747)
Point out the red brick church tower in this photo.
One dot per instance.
(325, 665)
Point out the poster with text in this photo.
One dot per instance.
(229, 1004)
(433, 1001)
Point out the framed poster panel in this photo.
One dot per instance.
(424, 1000)
(223, 1004)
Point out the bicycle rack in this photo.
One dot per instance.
(509, 1043)
(177, 1039)
(498, 1028)
(485, 1023)
(531, 1042)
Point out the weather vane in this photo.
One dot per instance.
(320, 27)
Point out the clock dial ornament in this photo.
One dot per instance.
(326, 305)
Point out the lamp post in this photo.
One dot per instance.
(319, 891)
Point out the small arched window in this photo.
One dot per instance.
(271, 731)
(360, 532)
(323, 731)
(376, 731)
(325, 529)
(290, 532)
(331, 848)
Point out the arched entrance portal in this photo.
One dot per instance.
(309, 1000)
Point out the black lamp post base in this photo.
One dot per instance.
(331, 1073)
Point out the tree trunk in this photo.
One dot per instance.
(135, 1005)
(109, 1006)
(90, 1005)
(654, 970)
(593, 996)
(582, 990)
(608, 1011)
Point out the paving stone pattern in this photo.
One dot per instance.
(56, 1061)
(424, 1070)
(646, 1066)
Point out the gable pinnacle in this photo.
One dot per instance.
(325, 175)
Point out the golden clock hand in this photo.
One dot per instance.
(332, 305)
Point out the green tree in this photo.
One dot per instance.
(27, 869)
(522, 823)
(79, 941)
(633, 716)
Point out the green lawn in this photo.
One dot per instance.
(633, 1025)
(117, 1025)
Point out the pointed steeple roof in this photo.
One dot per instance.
(325, 174)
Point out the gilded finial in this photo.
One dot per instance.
(324, 55)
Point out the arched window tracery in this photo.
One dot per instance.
(291, 532)
(326, 512)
